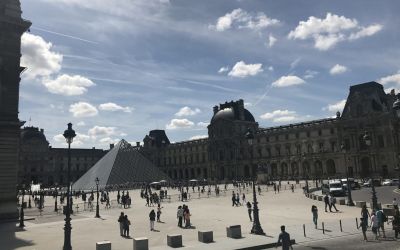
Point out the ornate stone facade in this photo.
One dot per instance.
(310, 149)
(41, 163)
(12, 26)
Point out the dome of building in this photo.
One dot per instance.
(229, 114)
(29, 133)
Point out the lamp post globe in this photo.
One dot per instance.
(97, 205)
(256, 229)
(69, 135)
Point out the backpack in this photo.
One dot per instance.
(384, 217)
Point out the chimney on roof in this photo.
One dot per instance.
(93, 148)
(42, 131)
(338, 114)
(138, 144)
(111, 145)
(393, 92)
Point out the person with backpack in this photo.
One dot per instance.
(382, 218)
(179, 215)
(314, 211)
(126, 224)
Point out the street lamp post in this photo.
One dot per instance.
(374, 199)
(21, 216)
(349, 198)
(396, 108)
(97, 205)
(306, 172)
(55, 202)
(256, 229)
(69, 135)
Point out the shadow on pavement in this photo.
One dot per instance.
(8, 239)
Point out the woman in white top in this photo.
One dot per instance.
(374, 223)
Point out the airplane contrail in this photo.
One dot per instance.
(65, 35)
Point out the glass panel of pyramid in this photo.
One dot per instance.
(121, 165)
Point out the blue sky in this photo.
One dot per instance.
(117, 69)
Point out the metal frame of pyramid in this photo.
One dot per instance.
(121, 165)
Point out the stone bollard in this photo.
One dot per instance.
(140, 243)
(320, 198)
(174, 240)
(342, 202)
(205, 236)
(314, 197)
(103, 245)
(360, 203)
(234, 232)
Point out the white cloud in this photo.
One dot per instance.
(241, 19)
(81, 124)
(83, 109)
(179, 123)
(38, 57)
(270, 68)
(110, 106)
(203, 124)
(277, 113)
(284, 116)
(197, 137)
(331, 30)
(248, 104)
(187, 111)
(395, 78)
(241, 69)
(108, 140)
(310, 74)
(286, 81)
(79, 139)
(339, 106)
(366, 31)
(223, 69)
(68, 85)
(99, 131)
(337, 69)
(271, 40)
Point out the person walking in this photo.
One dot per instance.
(395, 203)
(121, 224)
(248, 204)
(243, 198)
(375, 224)
(179, 215)
(363, 226)
(314, 211)
(126, 224)
(152, 217)
(233, 199)
(275, 188)
(381, 221)
(238, 200)
(292, 187)
(332, 202)
(187, 215)
(365, 214)
(396, 223)
(284, 238)
(327, 204)
(159, 212)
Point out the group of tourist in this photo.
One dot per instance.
(330, 202)
(183, 215)
(124, 199)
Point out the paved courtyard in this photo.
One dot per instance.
(214, 213)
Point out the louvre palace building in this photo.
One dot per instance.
(331, 147)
